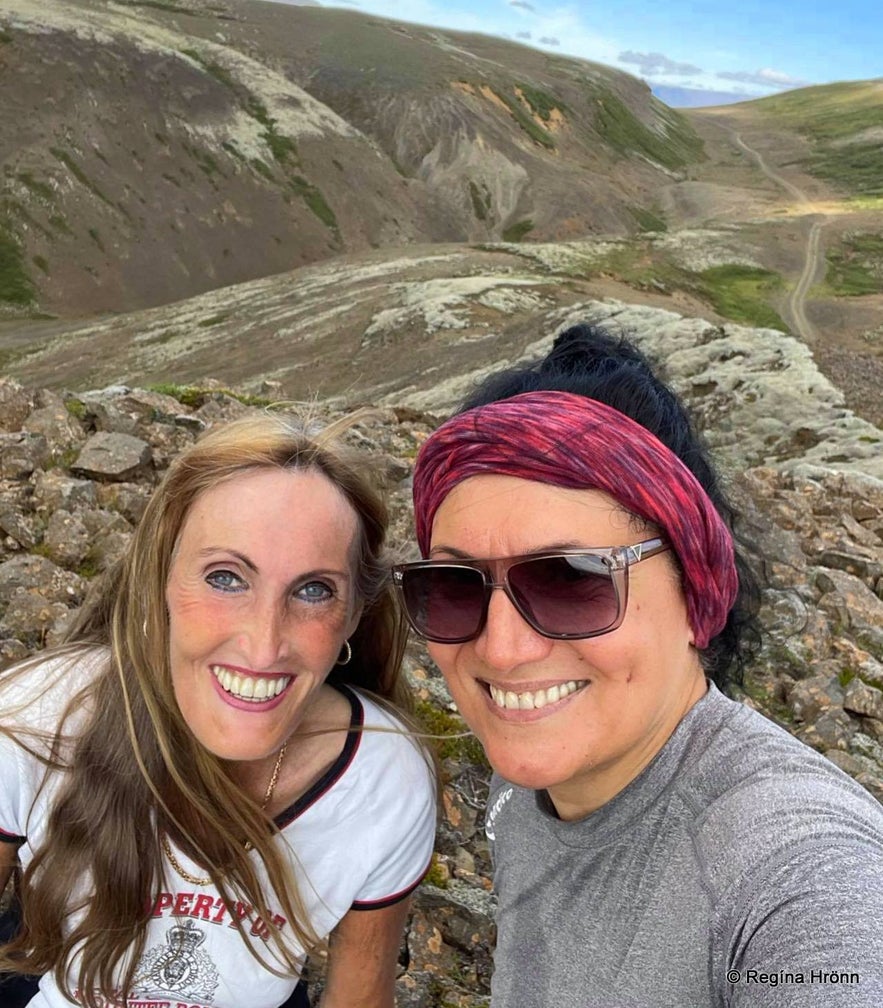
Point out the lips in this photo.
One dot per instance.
(253, 689)
(534, 699)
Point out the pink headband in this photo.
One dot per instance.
(568, 440)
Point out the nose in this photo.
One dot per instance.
(263, 635)
(507, 640)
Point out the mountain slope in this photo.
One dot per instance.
(154, 150)
(842, 125)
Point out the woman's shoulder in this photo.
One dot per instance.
(35, 692)
(759, 798)
(385, 732)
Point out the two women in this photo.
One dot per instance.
(656, 845)
(210, 779)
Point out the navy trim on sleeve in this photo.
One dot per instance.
(11, 837)
(388, 901)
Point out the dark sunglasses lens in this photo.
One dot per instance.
(566, 594)
(445, 603)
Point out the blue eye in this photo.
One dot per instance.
(315, 591)
(225, 580)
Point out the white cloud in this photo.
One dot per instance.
(655, 63)
(765, 77)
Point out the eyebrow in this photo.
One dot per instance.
(208, 550)
(253, 567)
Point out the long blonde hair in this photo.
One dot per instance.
(135, 762)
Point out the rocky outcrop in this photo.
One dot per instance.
(813, 515)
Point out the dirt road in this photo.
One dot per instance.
(813, 261)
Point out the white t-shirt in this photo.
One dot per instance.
(360, 838)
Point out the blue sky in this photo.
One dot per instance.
(746, 48)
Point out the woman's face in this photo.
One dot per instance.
(626, 690)
(260, 596)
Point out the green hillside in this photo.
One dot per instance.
(845, 124)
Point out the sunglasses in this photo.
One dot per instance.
(567, 594)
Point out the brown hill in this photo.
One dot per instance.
(154, 150)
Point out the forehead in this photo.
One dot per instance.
(269, 508)
(503, 515)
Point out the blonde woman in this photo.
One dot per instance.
(210, 778)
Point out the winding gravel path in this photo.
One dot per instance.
(813, 261)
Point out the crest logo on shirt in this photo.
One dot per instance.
(178, 967)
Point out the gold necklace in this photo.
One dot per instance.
(268, 794)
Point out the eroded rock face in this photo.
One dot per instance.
(815, 531)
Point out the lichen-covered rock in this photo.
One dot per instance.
(15, 404)
(67, 540)
(51, 418)
(128, 499)
(54, 490)
(113, 456)
(42, 576)
(21, 453)
(33, 619)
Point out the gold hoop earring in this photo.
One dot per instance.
(349, 654)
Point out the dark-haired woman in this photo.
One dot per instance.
(656, 844)
(211, 778)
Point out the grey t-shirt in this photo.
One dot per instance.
(739, 869)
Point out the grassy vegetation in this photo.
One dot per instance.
(36, 186)
(76, 408)
(517, 231)
(213, 320)
(524, 119)
(481, 200)
(454, 743)
(16, 286)
(78, 173)
(841, 120)
(195, 396)
(261, 168)
(436, 876)
(281, 147)
(316, 202)
(647, 220)
(540, 102)
(737, 292)
(741, 292)
(618, 126)
(163, 5)
(10, 208)
(41, 263)
(205, 161)
(96, 237)
(221, 74)
(5, 37)
(856, 267)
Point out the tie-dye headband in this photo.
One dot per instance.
(568, 440)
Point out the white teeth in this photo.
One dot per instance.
(254, 688)
(534, 700)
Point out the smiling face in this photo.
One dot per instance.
(260, 596)
(607, 704)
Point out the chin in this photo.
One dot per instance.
(527, 774)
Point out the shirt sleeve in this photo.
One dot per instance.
(13, 784)
(820, 943)
(401, 821)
